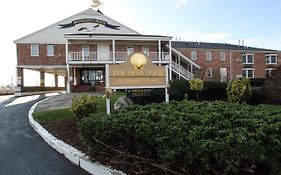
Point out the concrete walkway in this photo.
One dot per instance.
(61, 101)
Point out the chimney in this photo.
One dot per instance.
(243, 43)
(176, 38)
(239, 42)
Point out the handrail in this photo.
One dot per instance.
(119, 56)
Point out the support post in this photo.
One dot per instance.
(56, 81)
(159, 52)
(170, 63)
(107, 85)
(113, 51)
(42, 79)
(67, 68)
(167, 84)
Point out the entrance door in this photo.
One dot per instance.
(85, 52)
(223, 74)
(103, 52)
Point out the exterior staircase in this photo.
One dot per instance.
(182, 71)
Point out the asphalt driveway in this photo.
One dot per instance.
(22, 151)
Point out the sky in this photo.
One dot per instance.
(224, 21)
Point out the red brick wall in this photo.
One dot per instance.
(236, 63)
(25, 58)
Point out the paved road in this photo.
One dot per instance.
(22, 151)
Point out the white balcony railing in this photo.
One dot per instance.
(97, 57)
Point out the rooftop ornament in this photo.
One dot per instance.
(96, 3)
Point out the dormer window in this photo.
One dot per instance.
(248, 58)
(271, 58)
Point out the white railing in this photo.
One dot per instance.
(119, 57)
(182, 71)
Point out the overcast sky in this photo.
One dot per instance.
(255, 21)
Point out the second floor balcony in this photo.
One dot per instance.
(111, 57)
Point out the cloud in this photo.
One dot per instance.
(180, 3)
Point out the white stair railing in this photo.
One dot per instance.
(184, 73)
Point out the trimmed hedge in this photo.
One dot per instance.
(200, 137)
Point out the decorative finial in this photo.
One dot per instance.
(96, 3)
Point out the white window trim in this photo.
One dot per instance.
(247, 73)
(53, 53)
(270, 69)
(195, 53)
(247, 61)
(130, 47)
(211, 71)
(31, 53)
(207, 56)
(224, 59)
(270, 58)
(142, 49)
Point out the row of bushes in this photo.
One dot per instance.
(180, 90)
(261, 91)
(199, 137)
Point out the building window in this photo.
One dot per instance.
(269, 72)
(209, 73)
(271, 58)
(130, 50)
(248, 73)
(92, 76)
(193, 55)
(50, 50)
(34, 49)
(248, 58)
(145, 49)
(222, 56)
(208, 56)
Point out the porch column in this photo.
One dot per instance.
(170, 64)
(159, 51)
(113, 51)
(56, 81)
(19, 82)
(179, 63)
(67, 68)
(42, 79)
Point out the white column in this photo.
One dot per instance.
(167, 83)
(159, 50)
(67, 67)
(107, 85)
(170, 64)
(113, 51)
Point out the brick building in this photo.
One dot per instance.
(224, 62)
(79, 47)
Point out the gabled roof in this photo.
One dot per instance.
(222, 46)
(88, 21)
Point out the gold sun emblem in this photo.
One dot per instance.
(138, 60)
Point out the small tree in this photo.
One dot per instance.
(197, 86)
(238, 90)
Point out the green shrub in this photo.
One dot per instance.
(238, 90)
(200, 137)
(83, 106)
(271, 89)
(214, 90)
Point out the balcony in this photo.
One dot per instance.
(108, 57)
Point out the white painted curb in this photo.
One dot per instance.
(75, 156)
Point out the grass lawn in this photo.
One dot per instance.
(63, 114)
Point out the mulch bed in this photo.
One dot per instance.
(67, 131)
